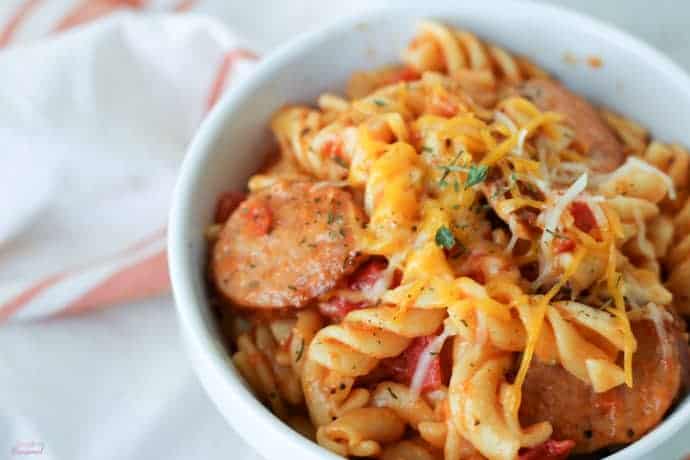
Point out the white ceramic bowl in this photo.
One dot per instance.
(634, 79)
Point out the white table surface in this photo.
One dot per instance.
(192, 428)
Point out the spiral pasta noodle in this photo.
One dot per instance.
(482, 69)
(258, 361)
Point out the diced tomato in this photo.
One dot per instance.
(561, 245)
(444, 108)
(416, 136)
(408, 74)
(584, 218)
(478, 276)
(404, 74)
(415, 42)
(258, 218)
(472, 266)
(368, 274)
(337, 308)
(364, 278)
(333, 149)
(528, 215)
(402, 367)
(549, 450)
(227, 203)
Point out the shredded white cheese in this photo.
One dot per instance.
(543, 163)
(657, 316)
(541, 184)
(552, 217)
(512, 242)
(566, 171)
(642, 241)
(503, 119)
(331, 183)
(518, 150)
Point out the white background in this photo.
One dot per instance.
(116, 384)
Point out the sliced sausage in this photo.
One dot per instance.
(604, 150)
(286, 244)
(620, 415)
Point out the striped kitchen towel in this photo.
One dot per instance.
(99, 100)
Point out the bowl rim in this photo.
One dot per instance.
(210, 360)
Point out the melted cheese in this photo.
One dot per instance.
(505, 207)
(392, 199)
(397, 125)
(525, 165)
(367, 151)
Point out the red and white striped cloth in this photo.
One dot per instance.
(91, 141)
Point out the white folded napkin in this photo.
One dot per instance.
(91, 142)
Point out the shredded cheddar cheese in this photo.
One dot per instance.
(613, 281)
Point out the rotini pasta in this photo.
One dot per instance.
(459, 259)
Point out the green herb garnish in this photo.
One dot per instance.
(379, 102)
(444, 237)
(476, 175)
(556, 235)
(450, 167)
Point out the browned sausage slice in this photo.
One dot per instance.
(620, 415)
(286, 244)
(604, 149)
